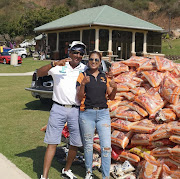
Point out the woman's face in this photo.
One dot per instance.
(94, 61)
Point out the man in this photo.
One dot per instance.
(65, 107)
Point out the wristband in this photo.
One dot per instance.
(52, 64)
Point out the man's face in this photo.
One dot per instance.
(76, 57)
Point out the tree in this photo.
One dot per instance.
(38, 17)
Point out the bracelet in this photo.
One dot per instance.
(52, 64)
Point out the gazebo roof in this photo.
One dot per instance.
(101, 15)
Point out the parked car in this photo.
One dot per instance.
(42, 87)
(20, 51)
(5, 58)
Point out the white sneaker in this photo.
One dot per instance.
(68, 174)
(89, 175)
(43, 177)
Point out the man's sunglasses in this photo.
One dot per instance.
(92, 59)
(77, 52)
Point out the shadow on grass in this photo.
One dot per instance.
(37, 105)
(37, 155)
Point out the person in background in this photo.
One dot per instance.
(93, 87)
(42, 55)
(65, 107)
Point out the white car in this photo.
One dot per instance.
(20, 51)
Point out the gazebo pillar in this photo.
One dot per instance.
(133, 53)
(110, 43)
(145, 44)
(81, 34)
(57, 42)
(55, 55)
(47, 40)
(97, 40)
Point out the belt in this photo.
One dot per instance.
(96, 108)
(67, 105)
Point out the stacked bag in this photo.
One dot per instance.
(144, 116)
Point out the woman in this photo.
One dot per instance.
(93, 87)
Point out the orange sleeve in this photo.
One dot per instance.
(79, 79)
(108, 80)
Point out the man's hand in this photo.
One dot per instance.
(62, 62)
(85, 80)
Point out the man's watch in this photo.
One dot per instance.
(52, 64)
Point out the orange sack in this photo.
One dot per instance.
(170, 88)
(134, 106)
(169, 162)
(151, 101)
(118, 67)
(176, 109)
(175, 150)
(140, 139)
(175, 139)
(163, 64)
(148, 65)
(168, 173)
(121, 125)
(153, 77)
(97, 147)
(143, 126)
(125, 155)
(165, 115)
(160, 152)
(151, 169)
(138, 90)
(135, 61)
(128, 114)
(161, 143)
(162, 132)
(120, 139)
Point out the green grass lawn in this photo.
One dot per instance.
(175, 50)
(27, 65)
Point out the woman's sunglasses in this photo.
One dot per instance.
(92, 59)
(77, 52)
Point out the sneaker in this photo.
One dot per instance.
(42, 177)
(68, 174)
(89, 175)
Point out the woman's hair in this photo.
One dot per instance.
(95, 52)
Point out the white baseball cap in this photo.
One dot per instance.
(78, 44)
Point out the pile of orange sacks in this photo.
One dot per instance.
(145, 116)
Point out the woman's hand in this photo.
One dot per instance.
(109, 74)
(112, 89)
(85, 80)
(113, 84)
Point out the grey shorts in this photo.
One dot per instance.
(59, 115)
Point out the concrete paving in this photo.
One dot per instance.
(17, 74)
(9, 171)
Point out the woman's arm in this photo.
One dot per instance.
(80, 92)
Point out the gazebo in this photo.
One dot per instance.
(112, 32)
